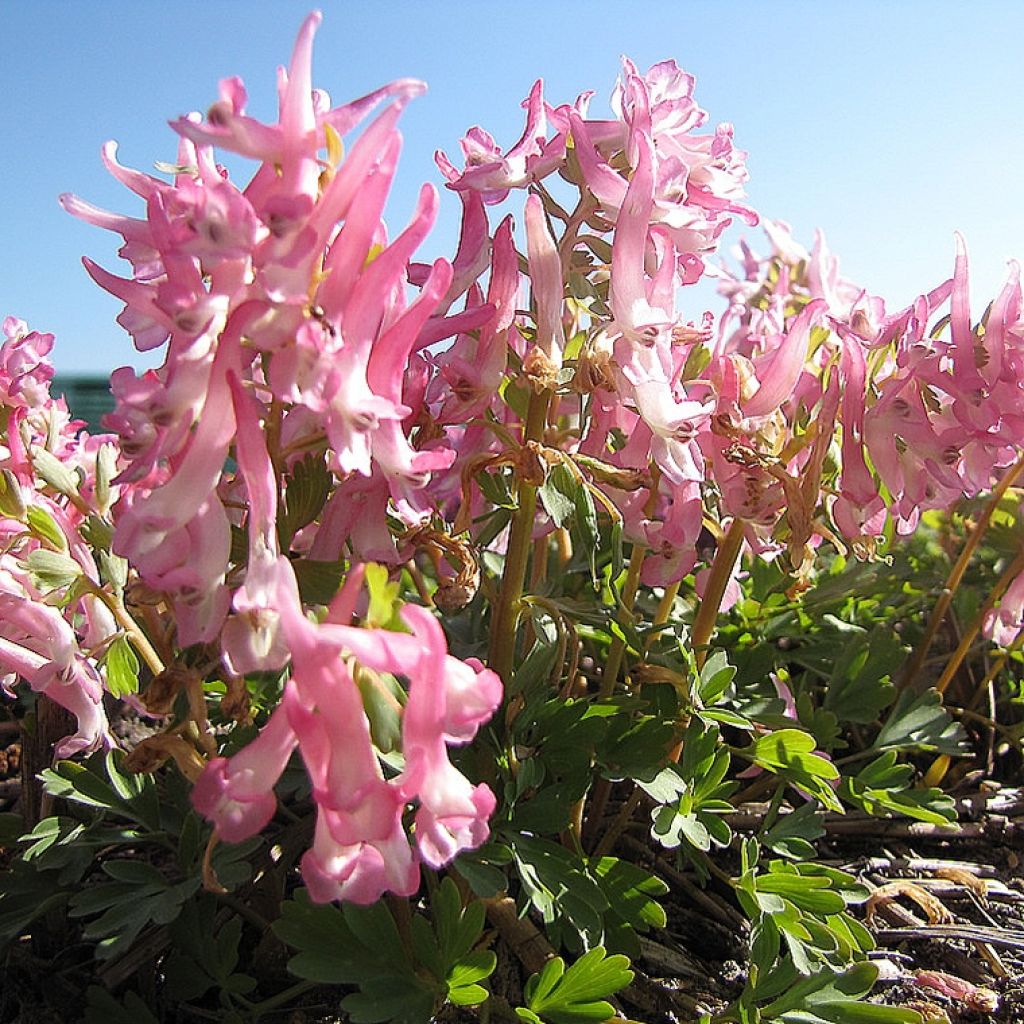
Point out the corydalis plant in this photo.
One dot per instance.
(288, 333)
(294, 349)
(283, 308)
(56, 622)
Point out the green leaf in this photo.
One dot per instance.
(483, 869)
(715, 677)
(104, 1008)
(860, 687)
(666, 786)
(792, 833)
(789, 753)
(696, 363)
(558, 494)
(204, 956)
(825, 997)
(318, 581)
(12, 503)
(12, 826)
(883, 788)
(631, 892)
(106, 470)
(122, 668)
(113, 569)
(134, 872)
(306, 489)
(811, 894)
(25, 896)
(671, 827)
(382, 699)
(126, 794)
(577, 995)
(547, 811)
(634, 747)
(463, 978)
(585, 530)
(341, 946)
(920, 722)
(495, 488)
(126, 907)
(560, 888)
(384, 598)
(398, 999)
(458, 928)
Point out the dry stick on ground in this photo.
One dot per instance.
(927, 865)
(995, 829)
(956, 892)
(1005, 937)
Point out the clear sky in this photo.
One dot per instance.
(888, 124)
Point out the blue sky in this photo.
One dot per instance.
(890, 125)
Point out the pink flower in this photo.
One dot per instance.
(237, 795)
(1003, 624)
(452, 813)
(25, 372)
(491, 172)
(546, 279)
(362, 871)
(38, 644)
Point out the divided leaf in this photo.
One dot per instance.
(576, 995)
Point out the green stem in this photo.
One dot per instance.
(618, 647)
(501, 655)
(273, 1002)
(721, 571)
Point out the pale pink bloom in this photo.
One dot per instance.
(237, 794)
(732, 593)
(491, 172)
(671, 109)
(672, 533)
(545, 267)
(642, 349)
(452, 814)
(470, 371)
(360, 872)
(858, 510)
(251, 639)
(356, 514)
(38, 644)
(778, 371)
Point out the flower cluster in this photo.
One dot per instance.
(325, 401)
(283, 307)
(926, 417)
(52, 617)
